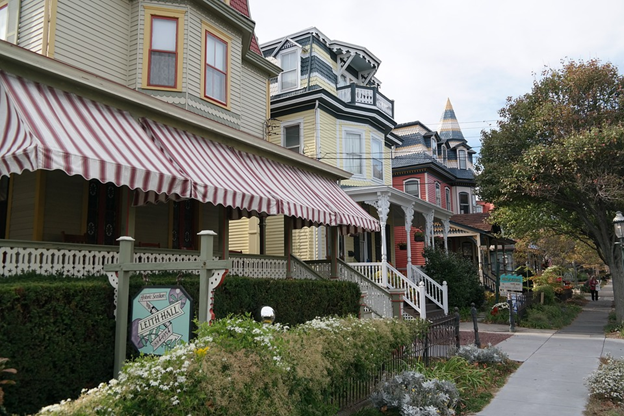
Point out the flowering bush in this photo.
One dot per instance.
(413, 395)
(238, 366)
(607, 382)
(489, 355)
(497, 307)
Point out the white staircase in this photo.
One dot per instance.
(418, 290)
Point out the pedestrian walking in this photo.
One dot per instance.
(593, 287)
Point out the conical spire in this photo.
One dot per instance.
(449, 127)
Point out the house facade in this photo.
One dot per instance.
(327, 104)
(438, 166)
(146, 119)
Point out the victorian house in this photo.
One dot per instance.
(327, 104)
(148, 119)
(438, 166)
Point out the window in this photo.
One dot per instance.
(291, 137)
(215, 82)
(412, 187)
(289, 62)
(377, 158)
(444, 154)
(462, 159)
(163, 44)
(4, 21)
(434, 148)
(464, 203)
(447, 195)
(353, 152)
(438, 194)
(215, 74)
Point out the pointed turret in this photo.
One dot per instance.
(449, 127)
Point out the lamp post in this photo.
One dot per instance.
(618, 225)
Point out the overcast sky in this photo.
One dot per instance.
(477, 53)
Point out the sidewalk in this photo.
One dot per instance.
(551, 379)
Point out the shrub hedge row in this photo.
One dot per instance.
(59, 332)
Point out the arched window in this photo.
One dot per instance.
(412, 187)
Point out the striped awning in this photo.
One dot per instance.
(46, 128)
(254, 184)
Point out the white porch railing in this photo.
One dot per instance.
(80, 260)
(416, 292)
(436, 292)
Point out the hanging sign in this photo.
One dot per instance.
(161, 319)
(510, 283)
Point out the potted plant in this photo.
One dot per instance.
(419, 235)
(402, 245)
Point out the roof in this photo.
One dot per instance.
(412, 159)
(477, 220)
(412, 139)
(449, 127)
(242, 7)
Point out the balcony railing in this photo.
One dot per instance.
(366, 97)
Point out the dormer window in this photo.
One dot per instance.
(434, 148)
(462, 159)
(289, 62)
(163, 44)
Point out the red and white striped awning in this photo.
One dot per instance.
(46, 128)
(252, 183)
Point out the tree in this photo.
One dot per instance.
(554, 160)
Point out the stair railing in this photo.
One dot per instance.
(437, 293)
(414, 293)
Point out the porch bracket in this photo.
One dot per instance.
(446, 226)
(428, 228)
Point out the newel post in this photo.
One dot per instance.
(422, 300)
(206, 240)
(445, 297)
(126, 256)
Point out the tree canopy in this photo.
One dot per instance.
(555, 159)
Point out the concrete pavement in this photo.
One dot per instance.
(555, 364)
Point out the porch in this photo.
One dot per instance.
(79, 260)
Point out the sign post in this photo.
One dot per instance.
(211, 274)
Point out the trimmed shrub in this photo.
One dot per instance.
(59, 333)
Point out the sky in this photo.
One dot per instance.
(474, 52)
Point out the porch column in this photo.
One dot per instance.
(288, 228)
(383, 208)
(446, 223)
(409, 217)
(428, 228)
(333, 252)
(225, 234)
(128, 218)
(262, 227)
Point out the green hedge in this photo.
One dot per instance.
(59, 332)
